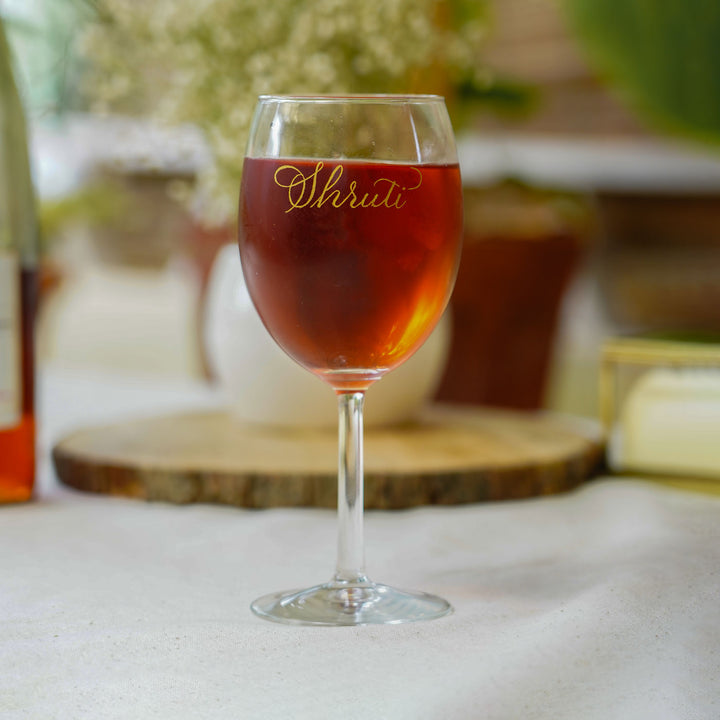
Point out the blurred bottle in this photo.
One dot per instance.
(18, 246)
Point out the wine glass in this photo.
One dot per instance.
(350, 234)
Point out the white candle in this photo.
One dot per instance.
(670, 423)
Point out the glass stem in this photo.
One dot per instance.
(351, 551)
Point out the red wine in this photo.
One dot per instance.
(17, 415)
(350, 264)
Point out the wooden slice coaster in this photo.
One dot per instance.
(450, 455)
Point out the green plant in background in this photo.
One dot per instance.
(663, 55)
(17, 200)
(94, 206)
(40, 39)
(42, 34)
(206, 62)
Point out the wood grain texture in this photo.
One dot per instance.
(449, 456)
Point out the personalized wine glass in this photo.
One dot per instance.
(350, 234)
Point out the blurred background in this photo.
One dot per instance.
(588, 134)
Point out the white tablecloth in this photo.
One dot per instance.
(600, 604)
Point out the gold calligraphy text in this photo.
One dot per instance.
(313, 191)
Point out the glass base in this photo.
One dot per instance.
(350, 603)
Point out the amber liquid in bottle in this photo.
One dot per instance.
(17, 441)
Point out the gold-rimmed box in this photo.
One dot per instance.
(660, 405)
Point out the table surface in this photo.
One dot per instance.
(601, 603)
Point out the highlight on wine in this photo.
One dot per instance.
(206, 62)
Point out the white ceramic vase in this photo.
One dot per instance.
(265, 386)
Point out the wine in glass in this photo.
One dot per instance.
(350, 234)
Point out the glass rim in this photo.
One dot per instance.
(392, 98)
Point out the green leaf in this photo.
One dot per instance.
(502, 96)
(663, 55)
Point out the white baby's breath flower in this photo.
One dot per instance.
(205, 61)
